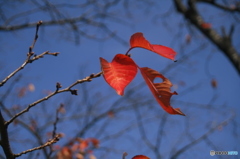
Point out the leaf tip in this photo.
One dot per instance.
(179, 112)
(120, 92)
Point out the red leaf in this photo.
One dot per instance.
(161, 91)
(214, 83)
(110, 114)
(95, 142)
(138, 40)
(206, 25)
(83, 145)
(140, 157)
(119, 73)
(65, 153)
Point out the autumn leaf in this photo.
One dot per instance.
(95, 142)
(65, 153)
(140, 157)
(91, 156)
(138, 40)
(110, 114)
(161, 91)
(206, 25)
(119, 73)
(83, 145)
(188, 38)
(214, 83)
(31, 87)
(22, 92)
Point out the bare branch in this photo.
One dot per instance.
(56, 120)
(52, 141)
(68, 89)
(4, 139)
(222, 42)
(35, 38)
(213, 3)
(201, 138)
(142, 130)
(29, 58)
(124, 155)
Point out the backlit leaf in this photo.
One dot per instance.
(138, 40)
(65, 153)
(119, 73)
(140, 157)
(161, 91)
(83, 144)
(95, 142)
(91, 156)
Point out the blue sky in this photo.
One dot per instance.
(191, 78)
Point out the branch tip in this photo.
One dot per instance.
(124, 155)
(58, 86)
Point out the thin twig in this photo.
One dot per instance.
(224, 44)
(56, 120)
(35, 38)
(124, 155)
(68, 89)
(29, 58)
(50, 142)
(55, 123)
(201, 138)
(218, 5)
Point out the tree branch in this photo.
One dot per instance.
(4, 139)
(201, 138)
(124, 155)
(52, 141)
(68, 89)
(213, 3)
(222, 42)
(29, 58)
(51, 22)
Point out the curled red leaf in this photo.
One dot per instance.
(119, 73)
(161, 91)
(138, 40)
(140, 157)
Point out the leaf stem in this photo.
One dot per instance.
(127, 53)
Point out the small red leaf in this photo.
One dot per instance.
(119, 73)
(138, 40)
(95, 142)
(140, 157)
(206, 25)
(161, 91)
(214, 83)
(83, 144)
